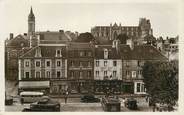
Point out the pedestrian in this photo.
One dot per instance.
(66, 96)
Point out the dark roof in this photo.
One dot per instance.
(18, 41)
(31, 15)
(46, 51)
(53, 37)
(112, 52)
(103, 41)
(78, 45)
(141, 52)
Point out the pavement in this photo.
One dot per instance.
(74, 105)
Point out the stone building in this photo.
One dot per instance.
(43, 68)
(107, 68)
(133, 58)
(14, 47)
(111, 32)
(80, 67)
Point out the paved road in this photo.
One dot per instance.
(74, 105)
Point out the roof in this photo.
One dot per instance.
(78, 45)
(46, 51)
(18, 41)
(53, 37)
(141, 52)
(112, 52)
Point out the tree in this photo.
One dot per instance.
(85, 37)
(123, 38)
(161, 82)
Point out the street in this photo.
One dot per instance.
(74, 105)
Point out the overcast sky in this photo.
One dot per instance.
(82, 16)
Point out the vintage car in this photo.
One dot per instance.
(111, 104)
(89, 99)
(131, 103)
(45, 104)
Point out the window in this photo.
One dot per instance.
(38, 63)
(105, 73)
(27, 64)
(38, 74)
(127, 73)
(58, 63)
(114, 73)
(72, 74)
(27, 75)
(97, 63)
(139, 72)
(80, 64)
(97, 73)
(133, 74)
(48, 74)
(72, 63)
(138, 63)
(58, 53)
(58, 74)
(126, 63)
(105, 53)
(114, 63)
(105, 63)
(47, 63)
(89, 64)
(81, 53)
(80, 74)
(138, 87)
(89, 54)
(89, 74)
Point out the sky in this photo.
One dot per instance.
(79, 16)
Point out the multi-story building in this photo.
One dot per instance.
(111, 32)
(43, 68)
(133, 58)
(107, 68)
(14, 47)
(80, 67)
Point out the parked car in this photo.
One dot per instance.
(45, 104)
(89, 99)
(111, 104)
(131, 103)
(73, 92)
(8, 100)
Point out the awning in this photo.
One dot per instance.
(34, 84)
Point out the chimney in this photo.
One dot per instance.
(11, 36)
(25, 34)
(61, 31)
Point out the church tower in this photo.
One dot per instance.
(31, 23)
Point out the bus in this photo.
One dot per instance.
(29, 97)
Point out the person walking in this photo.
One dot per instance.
(66, 96)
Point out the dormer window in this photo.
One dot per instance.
(38, 52)
(58, 53)
(105, 53)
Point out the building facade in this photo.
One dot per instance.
(107, 69)
(43, 69)
(80, 67)
(133, 59)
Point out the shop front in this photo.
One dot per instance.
(58, 87)
(108, 86)
(81, 86)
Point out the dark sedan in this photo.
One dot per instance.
(45, 104)
(131, 103)
(89, 99)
